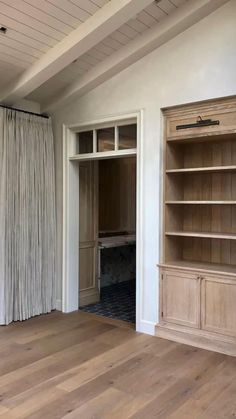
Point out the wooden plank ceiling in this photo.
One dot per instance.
(35, 26)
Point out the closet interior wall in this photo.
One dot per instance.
(117, 195)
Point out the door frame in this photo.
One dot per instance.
(70, 230)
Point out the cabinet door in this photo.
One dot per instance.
(218, 307)
(181, 298)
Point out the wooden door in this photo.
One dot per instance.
(88, 233)
(218, 305)
(181, 298)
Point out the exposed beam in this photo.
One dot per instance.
(177, 22)
(106, 20)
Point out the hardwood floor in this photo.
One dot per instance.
(78, 366)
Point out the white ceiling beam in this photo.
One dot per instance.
(177, 22)
(106, 20)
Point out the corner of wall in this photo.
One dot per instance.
(27, 105)
(146, 327)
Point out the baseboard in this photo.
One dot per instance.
(88, 297)
(58, 305)
(147, 327)
(198, 339)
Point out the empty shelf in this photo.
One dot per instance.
(203, 169)
(200, 202)
(210, 235)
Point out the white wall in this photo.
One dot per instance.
(27, 105)
(198, 64)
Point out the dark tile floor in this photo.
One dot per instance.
(117, 302)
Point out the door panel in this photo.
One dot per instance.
(88, 233)
(218, 305)
(87, 278)
(181, 298)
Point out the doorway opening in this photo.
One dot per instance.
(107, 235)
(91, 142)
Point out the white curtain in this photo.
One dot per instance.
(27, 216)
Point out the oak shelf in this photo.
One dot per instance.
(203, 137)
(210, 169)
(210, 235)
(217, 268)
(200, 202)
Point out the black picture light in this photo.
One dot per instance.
(199, 123)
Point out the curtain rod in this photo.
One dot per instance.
(21, 110)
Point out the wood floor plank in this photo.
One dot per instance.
(209, 393)
(53, 365)
(128, 408)
(92, 389)
(183, 388)
(224, 406)
(16, 355)
(105, 362)
(76, 355)
(39, 400)
(95, 407)
(80, 366)
(3, 410)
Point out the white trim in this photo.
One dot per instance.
(105, 122)
(94, 141)
(70, 232)
(71, 210)
(147, 327)
(116, 138)
(64, 222)
(139, 222)
(101, 155)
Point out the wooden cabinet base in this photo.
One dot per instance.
(198, 308)
(200, 339)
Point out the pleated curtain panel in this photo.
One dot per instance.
(27, 216)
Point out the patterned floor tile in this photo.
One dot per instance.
(117, 302)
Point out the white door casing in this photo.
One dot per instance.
(70, 260)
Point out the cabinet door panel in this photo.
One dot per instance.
(219, 305)
(181, 298)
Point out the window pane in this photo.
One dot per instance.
(85, 142)
(127, 136)
(106, 139)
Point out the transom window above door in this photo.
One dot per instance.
(108, 139)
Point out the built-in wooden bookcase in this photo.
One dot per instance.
(200, 191)
(199, 207)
